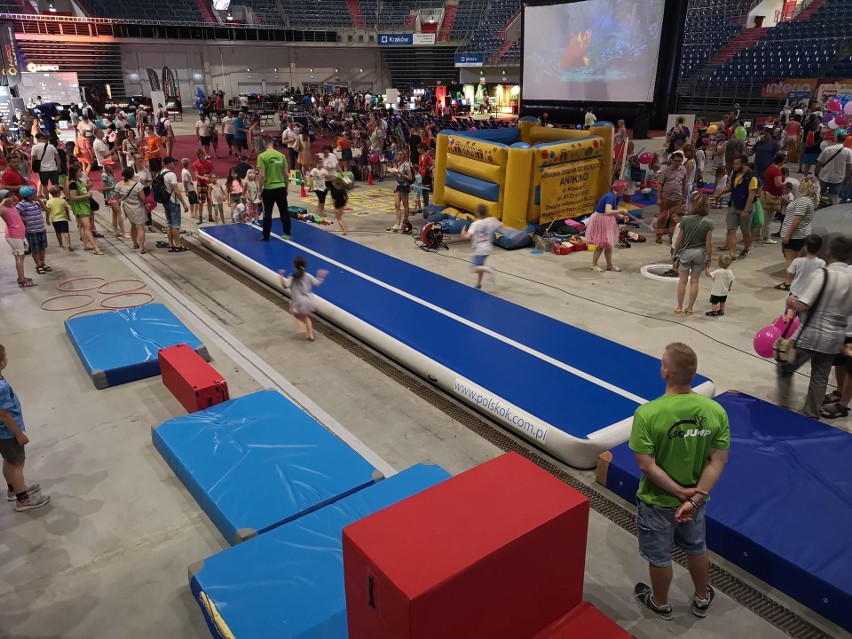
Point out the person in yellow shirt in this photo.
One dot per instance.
(59, 210)
(742, 187)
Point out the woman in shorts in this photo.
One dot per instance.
(797, 221)
(693, 249)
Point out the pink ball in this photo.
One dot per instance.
(781, 325)
(374, 158)
(646, 158)
(764, 339)
(834, 105)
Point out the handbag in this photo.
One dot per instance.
(784, 349)
(37, 163)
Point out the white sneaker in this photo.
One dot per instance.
(32, 488)
(33, 501)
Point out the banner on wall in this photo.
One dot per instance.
(782, 88)
(470, 60)
(396, 39)
(828, 90)
(10, 58)
(421, 39)
(568, 190)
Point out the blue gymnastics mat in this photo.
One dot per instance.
(259, 461)
(288, 583)
(514, 364)
(782, 509)
(117, 347)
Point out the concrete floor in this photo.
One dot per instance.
(108, 557)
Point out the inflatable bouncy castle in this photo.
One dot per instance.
(528, 175)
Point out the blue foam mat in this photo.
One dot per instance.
(117, 347)
(782, 509)
(288, 583)
(460, 347)
(258, 461)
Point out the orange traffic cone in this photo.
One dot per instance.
(370, 178)
(303, 192)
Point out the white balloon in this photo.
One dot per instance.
(832, 125)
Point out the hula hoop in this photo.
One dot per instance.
(110, 307)
(129, 290)
(648, 269)
(91, 299)
(77, 279)
(85, 311)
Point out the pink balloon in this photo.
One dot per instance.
(781, 325)
(834, 105)
(764, 339)
(848, 108)
(842, 121)
(646, 158)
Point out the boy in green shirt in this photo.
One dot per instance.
(681, 443)
(272, 175)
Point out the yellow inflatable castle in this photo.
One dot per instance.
(525, 175)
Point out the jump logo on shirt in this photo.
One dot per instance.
(682, 430)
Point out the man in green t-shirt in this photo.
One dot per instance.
(681, 443)
(272, 175)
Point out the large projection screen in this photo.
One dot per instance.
(592, 51)
(63, 88)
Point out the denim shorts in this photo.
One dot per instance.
(658, 531)
(479, 260)
(172, 210)
(692, 260)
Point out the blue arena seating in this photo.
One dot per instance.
(177, 10)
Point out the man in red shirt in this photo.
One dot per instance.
(773, 189)
(204, 172)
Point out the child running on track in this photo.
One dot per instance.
(300, 285)
(339, 196)
(479, 233)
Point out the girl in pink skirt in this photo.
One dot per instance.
(602, 227)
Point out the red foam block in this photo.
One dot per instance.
(498, 551)
(583, 621)
(193, 382)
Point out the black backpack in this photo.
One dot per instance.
(159, 188)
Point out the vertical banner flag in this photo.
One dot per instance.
(11, 60)
(170, 85)
(154, 80)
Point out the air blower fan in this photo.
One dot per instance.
(431, 237)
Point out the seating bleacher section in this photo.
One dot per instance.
(177, 10)
(793, 49)
(709, 25)
(485, 38)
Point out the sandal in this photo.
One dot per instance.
(833, 411)
(678, 311)
(143, 251)
(40, 270)
(688, 311)
(178, 249)
(27, 283)
(712, 313)
(97, 252)
(783, 286)
(635, 237)
(598, 269)
(96, 234)
(615, 269)
(832, 398)
(46, 268)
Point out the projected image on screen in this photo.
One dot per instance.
(596, 50)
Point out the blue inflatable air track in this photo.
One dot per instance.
(568, 391)
(288, 583)
(117, 347)
(259, 461)
(782, 510)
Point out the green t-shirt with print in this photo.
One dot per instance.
(678, 431)
(274, 165)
